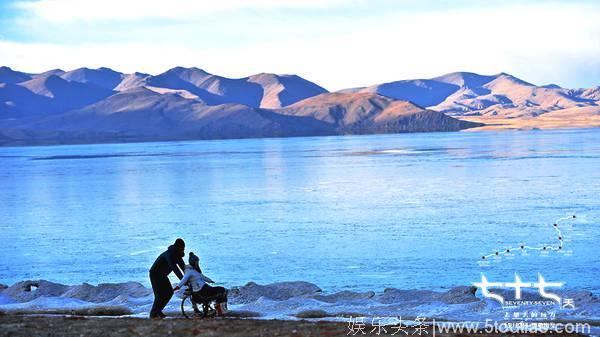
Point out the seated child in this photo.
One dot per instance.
(199, 283)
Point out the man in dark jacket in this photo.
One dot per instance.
(167, 262)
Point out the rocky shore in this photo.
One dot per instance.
(277, 309)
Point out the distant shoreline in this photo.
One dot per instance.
(491, 125)
(526, 124)
(142, 141)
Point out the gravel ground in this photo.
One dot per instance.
(64, 326)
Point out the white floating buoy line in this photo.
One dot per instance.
(547, 247)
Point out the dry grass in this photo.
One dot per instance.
(543, 122)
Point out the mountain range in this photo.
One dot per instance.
(470, 94)
(102, 105)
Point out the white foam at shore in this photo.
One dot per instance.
(286, 300)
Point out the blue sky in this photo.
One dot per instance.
(336, 43)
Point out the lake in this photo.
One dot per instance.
(347, 212)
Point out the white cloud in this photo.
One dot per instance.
(92, 10)
(541, 43)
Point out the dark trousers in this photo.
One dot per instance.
(163, 291)
(217, 293)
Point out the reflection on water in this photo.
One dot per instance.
(351, 212)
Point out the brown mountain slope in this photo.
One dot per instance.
(359, 113)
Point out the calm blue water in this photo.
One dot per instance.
(355, 212)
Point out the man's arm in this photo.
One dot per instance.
(173, 265)
(180, 263)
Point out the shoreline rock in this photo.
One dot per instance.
(282, 300)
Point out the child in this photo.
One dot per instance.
(199, 283)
